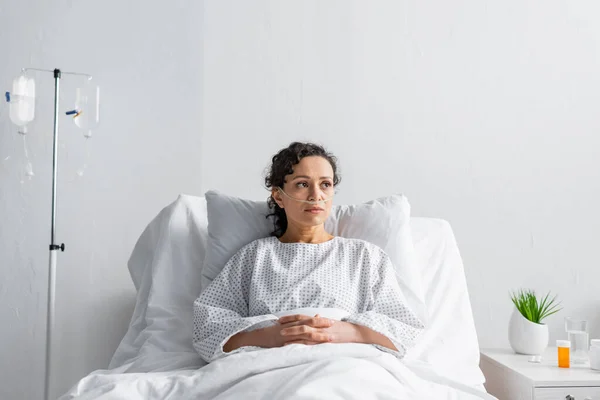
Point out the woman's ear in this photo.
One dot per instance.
(277, 197)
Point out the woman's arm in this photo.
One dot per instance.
(369, 336)
(243, 339)
(221, 311)
(388, 315)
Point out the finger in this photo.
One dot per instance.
(296, 330)
(312, 335)
(313, 322)
(292, 318)
(301, 330)
(318, 322)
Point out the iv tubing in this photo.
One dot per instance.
(304, 201)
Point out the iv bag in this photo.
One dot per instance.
(22, 101)
(87, 105)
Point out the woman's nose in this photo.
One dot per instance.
(314, 192)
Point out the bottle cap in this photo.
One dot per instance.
(563, 343)
(595, 342)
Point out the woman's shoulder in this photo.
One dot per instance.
(369, 253)
(250, 250)
(266, 242)
(258, 244)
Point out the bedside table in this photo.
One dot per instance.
(511, 376)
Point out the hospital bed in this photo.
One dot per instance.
(156, 360)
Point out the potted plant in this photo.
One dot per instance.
(526, 332)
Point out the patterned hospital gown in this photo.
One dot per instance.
(267, 277)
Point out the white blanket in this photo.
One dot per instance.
(327, 371)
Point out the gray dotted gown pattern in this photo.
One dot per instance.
(267, 277)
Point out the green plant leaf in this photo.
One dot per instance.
(533, 309)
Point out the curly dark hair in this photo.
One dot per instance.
(282, 164)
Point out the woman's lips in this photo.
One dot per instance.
(314, 210)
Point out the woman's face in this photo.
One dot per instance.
(312, 180)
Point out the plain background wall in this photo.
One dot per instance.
(483, 113)
(486, 114)
(147, 58)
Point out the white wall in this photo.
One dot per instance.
(147, 57)
(484, 113)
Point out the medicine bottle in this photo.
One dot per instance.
(564, 353)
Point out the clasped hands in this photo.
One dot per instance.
(303, 329)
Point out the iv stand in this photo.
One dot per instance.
(53, 246)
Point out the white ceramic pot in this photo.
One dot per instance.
(526, 337)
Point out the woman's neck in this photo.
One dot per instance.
(311, 234)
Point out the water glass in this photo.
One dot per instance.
(577, 329)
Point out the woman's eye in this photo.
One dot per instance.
(301, 184)
(326, 184)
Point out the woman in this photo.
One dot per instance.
(303, 266)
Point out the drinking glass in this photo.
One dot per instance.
(577, 330)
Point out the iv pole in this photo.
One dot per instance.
(53, 246)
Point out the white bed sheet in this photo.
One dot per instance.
(328, 371)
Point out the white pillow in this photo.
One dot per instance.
(449, 342)
(165, 267)
(385, 222)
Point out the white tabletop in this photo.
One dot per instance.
(545, 373)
